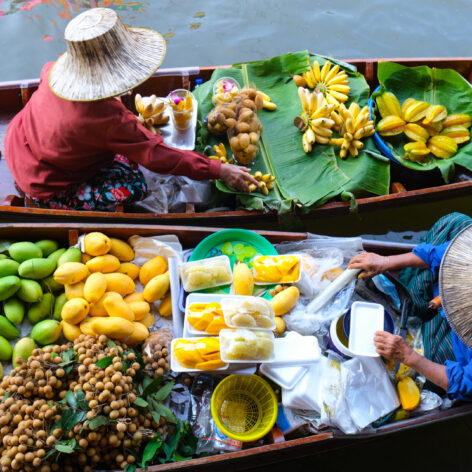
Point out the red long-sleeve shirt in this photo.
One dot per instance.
(54, 143)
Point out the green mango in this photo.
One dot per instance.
(30, 291)
(71, 255)
(25, 250)
(36, 268)
(41, 310)
(5, 349)
(48, 246)
(9, 285)
(23, 348)
(8, 330)
(58, 304)
(46, 332)
(14, 310)
(8, 267)
(3, 256)
(57, 254)
(50, 285)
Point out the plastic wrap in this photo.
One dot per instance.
(171, 193)
(276, 269)
(248, 312)
(156, 351)
(206, 273)
(246, 345)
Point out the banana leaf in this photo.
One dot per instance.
(305, 180)
(436, 86)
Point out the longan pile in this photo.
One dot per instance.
(27, 417)
(156, 353)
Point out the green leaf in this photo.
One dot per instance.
(71, 418)
(156, 416)
(49, 454)
(171, 444)
(111, 344)
(164, 411)
(164, 392)
(140, 402)
(105, 362)
(71, 400)
(64, 448)
(436, 86)
(151, 449)
(98, 421)
(151, 386)
(130, 467)
(6, 396)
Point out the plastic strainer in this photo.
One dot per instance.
(244, 407)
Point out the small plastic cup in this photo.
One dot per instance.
(225, 90)
(181, 114)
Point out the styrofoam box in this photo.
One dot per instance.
(286, 377)
(206, 262)
(366, 319)
(292, 350)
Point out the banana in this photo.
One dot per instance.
(319, 131)
(325, 70)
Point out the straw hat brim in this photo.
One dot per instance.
(71, 80)
(455, 285)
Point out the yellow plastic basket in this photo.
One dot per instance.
(244, 407)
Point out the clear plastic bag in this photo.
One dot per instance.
(156, 351)
(171, 193)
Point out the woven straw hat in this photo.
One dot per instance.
(455, 285)
(104, 58)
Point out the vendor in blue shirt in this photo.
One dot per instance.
(455, 377)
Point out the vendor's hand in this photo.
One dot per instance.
(237, 177)
(370, 263)
(392, 346)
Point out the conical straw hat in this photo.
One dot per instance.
(104, 58)
(455, 285)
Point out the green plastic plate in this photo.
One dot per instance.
(238, 244)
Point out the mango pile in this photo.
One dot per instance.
(100, 296)
(429, 128)
(27, 287)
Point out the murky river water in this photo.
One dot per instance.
(212, 32)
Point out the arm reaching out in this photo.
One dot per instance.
(395, 348)
(373, 264)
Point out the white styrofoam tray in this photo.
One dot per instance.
(291, 350)
(366, 319)
(286, 377)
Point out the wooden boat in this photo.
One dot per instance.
(276, 447)
(405, 190)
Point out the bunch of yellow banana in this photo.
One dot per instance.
(429, 128)
(265, 182)
(267, 103)
(151, 112)
(332, 82)
(352, 124)
(220, 154)
(315, 122)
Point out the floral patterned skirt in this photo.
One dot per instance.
(120, 184)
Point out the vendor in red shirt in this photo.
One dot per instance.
(75, 146)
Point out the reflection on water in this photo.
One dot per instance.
(209, 32)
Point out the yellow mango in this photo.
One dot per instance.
(139, 309)
(104, 264)
(157, 287)
(123, 251)
(85, 258)
(202, 353)
(96, 244)
(148, 321)
(130, 269)
(408, 393)
(75, 310)
(86, 327)
(113, 327)
(134, 297)
(116, 306)
(98, 308)
(285, 300)
(71, 332)
(139, 334)
(152, 268)
(243, 280)
(95, 287)
(280, 325)
(165, 308)
(120, 283)
(74, 290)
(70, 273)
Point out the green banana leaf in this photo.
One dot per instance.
(304, 180)
(436, 86)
